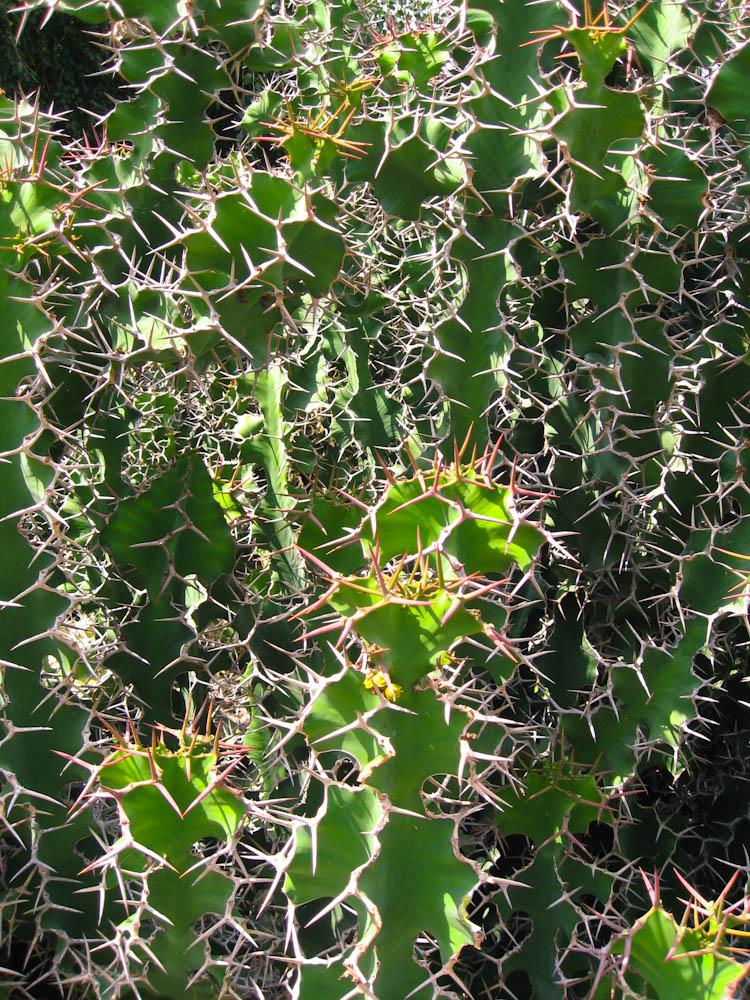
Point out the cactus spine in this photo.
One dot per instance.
(374, 400)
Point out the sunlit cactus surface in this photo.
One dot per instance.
(374, 405)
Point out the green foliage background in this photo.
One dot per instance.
(373, 419)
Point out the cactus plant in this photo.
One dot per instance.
(373, 431)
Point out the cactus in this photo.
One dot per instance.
(168, 802)
(667, 958)
(449, 525)
(374, 415)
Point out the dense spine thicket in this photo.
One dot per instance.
(373, 426)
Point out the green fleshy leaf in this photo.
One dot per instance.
(261, 112)
(551, 802)
(550, 886)
(728, 92)
(662, 955)
(343, 841)
(317, 245)
(660, 31)
(597, 50)
(330, 521)
(415, 169)
(601, 119)
(336, 708)
(489, 540)
(417, 884)
(168, 802)
(154, 821)
(178, 517)
(677, 187)
(413, 636)
(657, 703)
